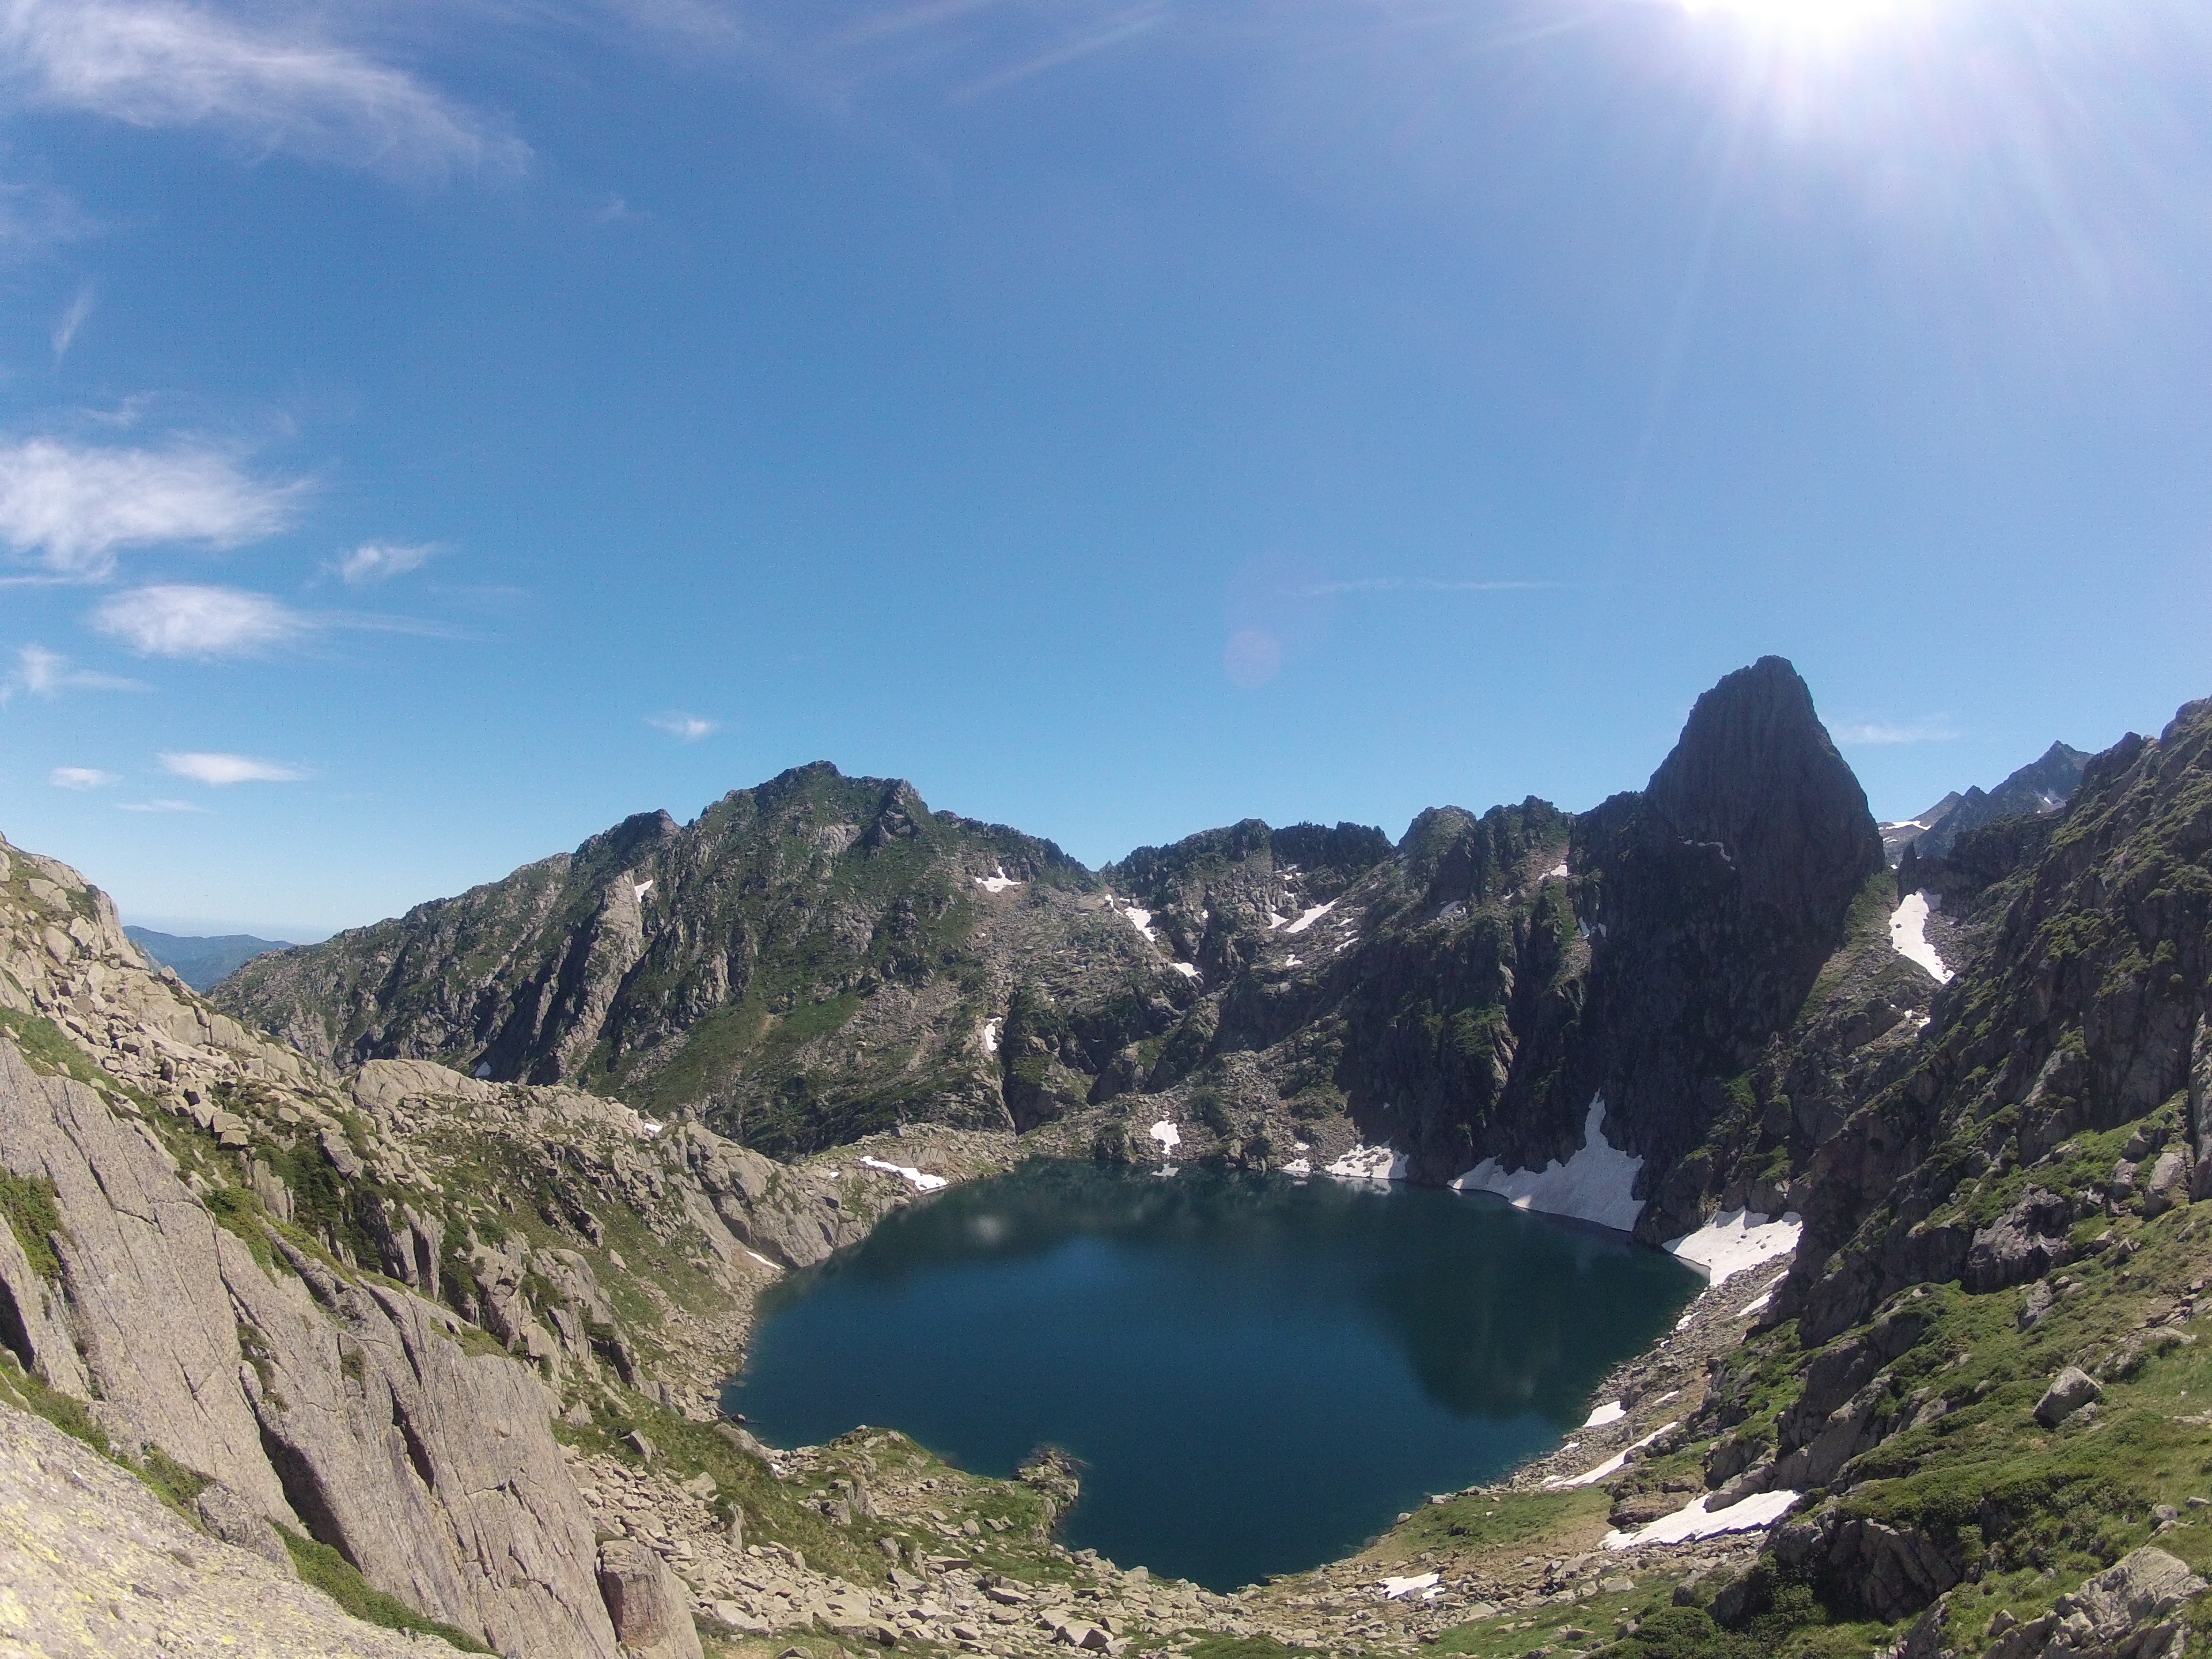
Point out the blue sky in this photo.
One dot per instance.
(430, 433)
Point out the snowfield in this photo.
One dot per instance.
(1307, 917)
(1759, 1510)
(1369, 1163)
(1167, 1134)
(1611, 1466)
(922, 1182)
(1611, 1411)
(1596, 1184)
(997, 882)
(1908, 932)
(1736, 1239)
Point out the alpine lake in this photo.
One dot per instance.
(1257, 1374)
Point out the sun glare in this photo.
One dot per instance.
(1824, 17)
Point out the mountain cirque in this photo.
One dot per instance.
(824, 957)
(332, 1316)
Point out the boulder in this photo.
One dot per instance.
(2169, 1185)
(651, 1613)
(2070, 1390)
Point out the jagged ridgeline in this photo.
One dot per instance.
(823, 957)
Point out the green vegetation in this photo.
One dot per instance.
(48, 1051)
(28, 1204)
(330, 1572)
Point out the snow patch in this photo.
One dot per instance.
(1908, 932)
(1369, 1163)
(763, 1260)
(997, 882)
(922, 1182)
(1556, 872)
(638, 889)
(1596, 1184)
(1760, 1511)
(1736, 1239)
(1142, 921)
(1167, 1134)
(1611, 1411)
(990, 1036)
(1307, 917)
(1611, 1466)
(1292, 962)
(1189, 970)
(1392, 1589)
(1754, 1305)
(1298, 1166)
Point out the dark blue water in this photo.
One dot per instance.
(1258, 1373)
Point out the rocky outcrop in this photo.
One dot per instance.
(652, 1613)
(92, 1562)
(343, 1409)
(2130, 1610)
(2025, 1242)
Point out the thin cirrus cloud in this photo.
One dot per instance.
(71, 319)
(377, 561)
(153, 64)
(1882, 733)
(159, 806)
(219, 770)
(193, 619)
(81, 777)
(45, 673)
(69, 508)
(684, 728)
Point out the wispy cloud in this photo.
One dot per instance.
(377, 561)
(154, 64)
(159, 806)
(71, 319)
(81, 777)
(684, 728)
(1413, 585)
(33, 219)
(218, 770)
(1117, 30)
(70, 508)
(1876, 733)
(45, 673)
(187, 619)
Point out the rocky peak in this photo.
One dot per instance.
(1713, 899)
(1756, 775)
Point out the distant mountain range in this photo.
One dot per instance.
(201, 961)
(822, 957)
(2041, 786)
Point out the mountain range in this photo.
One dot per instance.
(390, 1288)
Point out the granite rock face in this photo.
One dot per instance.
(93, 1564)
(345, 1410)
(1716, 896)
